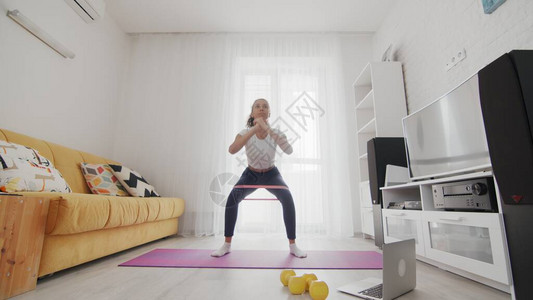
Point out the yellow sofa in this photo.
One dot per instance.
(82, 226)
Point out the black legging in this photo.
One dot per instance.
(271, 177)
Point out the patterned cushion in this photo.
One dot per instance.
(134, 183)
(19, 175)
(25, 153)
(100, 179)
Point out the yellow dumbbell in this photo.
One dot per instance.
(284, 276)
(297, 285)
(308, 278)
(318, 290)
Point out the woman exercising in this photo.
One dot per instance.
(260, 142)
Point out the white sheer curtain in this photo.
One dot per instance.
(188, 95)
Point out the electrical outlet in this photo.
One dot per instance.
(459, 56)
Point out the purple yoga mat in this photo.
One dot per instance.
(257, 259)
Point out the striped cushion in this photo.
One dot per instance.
(134, 183)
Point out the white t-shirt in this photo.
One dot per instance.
(260, 153)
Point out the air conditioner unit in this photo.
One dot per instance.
(89, 10)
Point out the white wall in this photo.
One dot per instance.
(425, 34)
(72, 102)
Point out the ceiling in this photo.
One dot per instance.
(142, 16)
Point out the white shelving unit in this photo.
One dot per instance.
(379, 109)
(471, 244)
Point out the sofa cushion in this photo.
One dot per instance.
(22, 152)
(74, 213)
(134, 183)
(68, 161)
(100, 179)
(18, 175)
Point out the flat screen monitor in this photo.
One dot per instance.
(447, 136)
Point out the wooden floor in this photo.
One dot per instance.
(103, 279)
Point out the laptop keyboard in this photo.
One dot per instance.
(375, 291)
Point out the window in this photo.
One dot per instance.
(292, 87)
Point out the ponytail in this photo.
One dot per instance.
(250, 122)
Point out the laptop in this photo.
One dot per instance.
(399, 274)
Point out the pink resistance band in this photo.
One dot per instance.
(251, 186)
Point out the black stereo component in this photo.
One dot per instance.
(382, 151)
(408, 204)
(466, 195)
(396, 205)
(506, 95)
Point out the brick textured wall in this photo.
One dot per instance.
(426, 33)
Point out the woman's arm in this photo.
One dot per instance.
(240, 140)
(281, 140)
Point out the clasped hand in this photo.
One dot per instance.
(260, 123)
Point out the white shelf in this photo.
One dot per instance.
(379, 108)
(363, 173)
(367, 102)
(364, 78)
(363, 138)
(470, 241)
(404, 224)
(366, 198)
(440, 180)
(363, 116)
(368, 127)
(471, 244)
